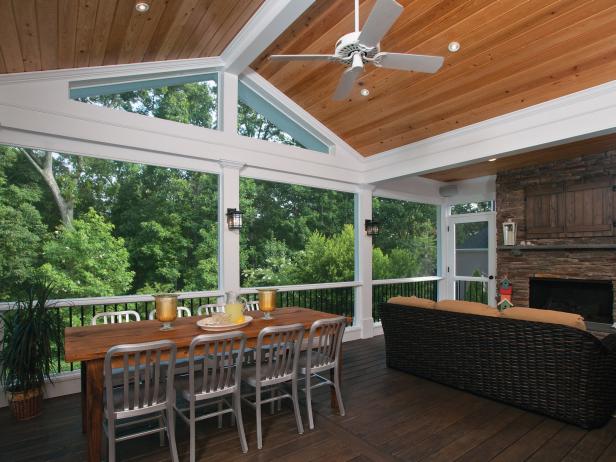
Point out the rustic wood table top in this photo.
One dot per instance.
(92, 342)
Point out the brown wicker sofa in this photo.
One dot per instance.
(556, 370)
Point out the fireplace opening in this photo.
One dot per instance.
(591, 299)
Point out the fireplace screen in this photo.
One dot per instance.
(593, 300)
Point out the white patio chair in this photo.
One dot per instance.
(115, 317)
(182, 312)
(146, 393)
(214, 373)
(275, 366)
(210, 308)
(322, 354)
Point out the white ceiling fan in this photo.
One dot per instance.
(362, 47)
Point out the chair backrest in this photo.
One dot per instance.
(182, 312)
(278, 360)
(113, 317)
(145, 383)
(252, 306)
(324, 341)
(215, 363)
(210, 308)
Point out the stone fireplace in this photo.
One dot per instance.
(580, 266)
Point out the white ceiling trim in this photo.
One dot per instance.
(576, 116)
(270, 20)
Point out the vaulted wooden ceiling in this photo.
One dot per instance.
(57, 34)
(514, 54)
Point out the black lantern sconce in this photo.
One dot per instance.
(234, 219)
(372, 227)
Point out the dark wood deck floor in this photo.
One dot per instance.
(390, 416)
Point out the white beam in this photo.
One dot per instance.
(363, 261)
(270, 20)
(229, 240)
(228, 89)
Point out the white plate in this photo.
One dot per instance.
(223, 327)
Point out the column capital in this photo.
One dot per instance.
(231, 164)
(365, 187)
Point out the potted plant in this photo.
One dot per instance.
(26, 358)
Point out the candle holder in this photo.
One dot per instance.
(166, 309)
(267, 302)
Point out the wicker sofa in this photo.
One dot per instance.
(559, 371)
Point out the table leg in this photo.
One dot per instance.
(94, 408)
(84, 400)
(332, 374)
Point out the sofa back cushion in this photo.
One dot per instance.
(413, 301)
(460, 306)
(548, 316)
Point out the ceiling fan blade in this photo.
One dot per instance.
(382, 17)
(302, 58)
(409, 62)
(345, 85)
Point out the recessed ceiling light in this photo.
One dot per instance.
(453, 46)
(142, 7)
(364, 92)
(493, 159)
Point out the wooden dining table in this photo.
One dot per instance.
(89, 344)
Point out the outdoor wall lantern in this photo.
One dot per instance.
(234, 219)
(509, 232)
(372, 228)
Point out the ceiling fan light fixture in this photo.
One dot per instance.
(453, 47)
(142, 7)
(364, 92)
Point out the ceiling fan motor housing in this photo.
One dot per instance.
(349, 44)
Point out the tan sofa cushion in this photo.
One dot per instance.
(413, 301)
(459, 306)
(548, 316)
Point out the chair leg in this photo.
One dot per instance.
(309, 401)
(258, 408)
(171, 433)
(191, 424)
(220, 415)
(298, 416)
(161, 433)
(338, 393)
(111, 455)
(237, 413)
(273, 393)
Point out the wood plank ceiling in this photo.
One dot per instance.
(58, 34)
(596, 145)
(514, 54)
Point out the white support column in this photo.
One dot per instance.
(363, 261)
(442, 253)
(227, 116)
(229, 241)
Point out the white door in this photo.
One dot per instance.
(471, 257)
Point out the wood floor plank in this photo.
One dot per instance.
(391, 416)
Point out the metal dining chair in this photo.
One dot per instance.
(323, 354)
(214, 373)
(115, 317)
(146, 395)
(210, 308)
(182, 312)
(277, 355)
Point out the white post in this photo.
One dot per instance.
(363, 261)
(229, 240)
(442, 253)
(228, 94)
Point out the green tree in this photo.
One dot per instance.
(22, 231)
(87, 260)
